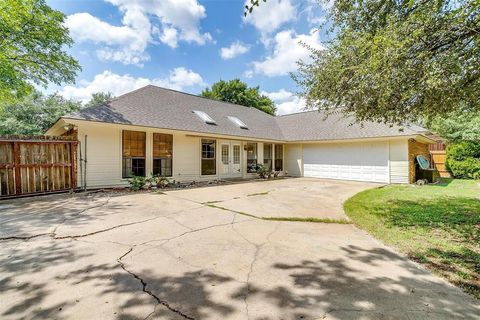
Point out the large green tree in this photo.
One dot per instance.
(99, 98)
(33, 40)
(397, 60)
(34, 113)
(238, 92)
(458, 126)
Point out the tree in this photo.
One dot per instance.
(457, 127)
(34, 113)
(249, 7)
(99, 98)
(32, 47)
(238, 92)
(395, 61)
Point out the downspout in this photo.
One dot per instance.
(85, 164)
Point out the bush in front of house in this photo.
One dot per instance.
(463, 159)
(136, 183)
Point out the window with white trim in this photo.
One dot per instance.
(208, 157)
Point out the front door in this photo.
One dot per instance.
(230, 159)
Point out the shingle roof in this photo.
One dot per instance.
(157, 107)
(316, 125)
(164, 108)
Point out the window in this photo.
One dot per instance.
(162, 154)
(279, 157)
(267, 156)
(251, 157)
(205, 117)
(225, 154)
(238, 122)
(133, 153)
(236, 154)
(208, 157)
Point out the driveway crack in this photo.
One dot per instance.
(258, 247)
(149, 292)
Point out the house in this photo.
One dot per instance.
(191, 138)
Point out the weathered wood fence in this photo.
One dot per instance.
(37, 164)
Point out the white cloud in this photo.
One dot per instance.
(183, 16)
(178, 21)
(297, 104)
(233, 51)
(270, 15)
(169, 36)
(286, 102)
(107, 81)
(316, 11)
(287, 50)
(279, 96)
(124, 43)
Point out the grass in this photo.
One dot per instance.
(212, 204)
(308, 219)
(435, 225)
(258, 194)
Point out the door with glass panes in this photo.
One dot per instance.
(230, 159)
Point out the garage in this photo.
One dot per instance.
(347, 161)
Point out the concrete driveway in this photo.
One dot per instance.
(171, 256)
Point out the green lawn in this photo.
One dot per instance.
(435, 225)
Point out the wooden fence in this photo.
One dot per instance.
(439, 158)
(37, 164)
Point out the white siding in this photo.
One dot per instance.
(293, 159)
(186, 157)
(104, 164)
(399, 161)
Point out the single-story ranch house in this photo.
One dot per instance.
(191, 138)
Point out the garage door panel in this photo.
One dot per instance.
(348, 161)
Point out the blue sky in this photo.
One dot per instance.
(189, 44)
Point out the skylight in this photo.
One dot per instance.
(238, 122)
(205, 117)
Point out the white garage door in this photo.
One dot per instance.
(347, 161)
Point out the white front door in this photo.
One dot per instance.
(230, 159)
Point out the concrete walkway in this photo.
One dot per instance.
(169, 256)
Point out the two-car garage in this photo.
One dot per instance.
(367, 161)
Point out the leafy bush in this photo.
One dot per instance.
(160, 181)
(136, 183)
(463, 159)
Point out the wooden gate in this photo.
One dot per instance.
(37, 164)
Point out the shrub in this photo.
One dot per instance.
(463, 159)
(136, 183)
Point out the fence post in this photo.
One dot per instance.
(16, 165)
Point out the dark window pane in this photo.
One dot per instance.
(278, 157)
(162, 167)
(251, 157)
(208, 167)
(208, 157)
(133, 167)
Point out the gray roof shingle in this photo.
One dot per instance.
(157, 107)
(316, 125)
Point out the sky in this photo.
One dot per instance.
(188, 45)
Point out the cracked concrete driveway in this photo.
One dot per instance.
(170, 256)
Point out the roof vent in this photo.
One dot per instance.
(238, 122)
(205, 117)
